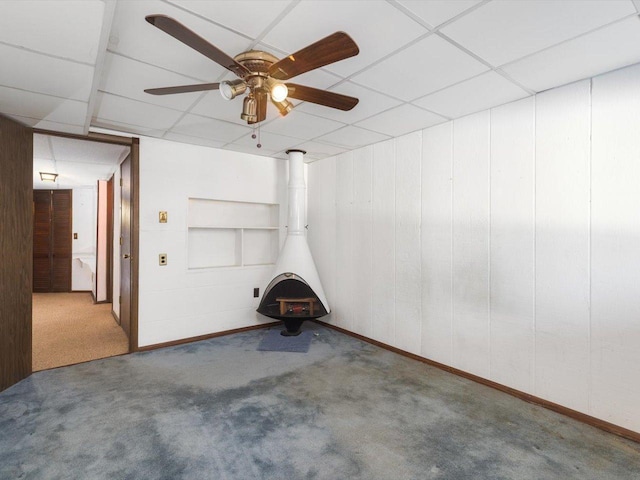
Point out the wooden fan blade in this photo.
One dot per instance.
(183, 89)
(321, 97)
(331, 49)
(195, 41)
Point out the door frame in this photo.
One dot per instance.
(134, 144)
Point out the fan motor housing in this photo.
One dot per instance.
(256, 61)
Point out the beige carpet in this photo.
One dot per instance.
(69, 328)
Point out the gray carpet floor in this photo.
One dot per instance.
(221, 409)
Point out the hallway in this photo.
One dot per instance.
(69, 328)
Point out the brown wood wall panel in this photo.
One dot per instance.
(16, 240)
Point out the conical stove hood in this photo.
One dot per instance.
(295, 291)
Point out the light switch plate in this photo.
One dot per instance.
(162, 259)
(163, 217)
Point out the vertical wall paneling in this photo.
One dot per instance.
(383, 205)
(408, 217)
(527, 219)
(322, 222)
(562, 245)
(512, 244)
(344, 304)
(362, 240)
(615, 247)
(437, 164)
(471, 243)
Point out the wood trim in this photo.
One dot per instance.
(115, 316)
(579, 416)
(91, 137)
(110, 239)
(135, 243)
(182, 341)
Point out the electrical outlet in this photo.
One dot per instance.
(162, 217)
(162, 259)
(256, 292)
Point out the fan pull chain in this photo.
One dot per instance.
(253, 135)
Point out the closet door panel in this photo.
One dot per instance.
(41, 241)
(61, 251)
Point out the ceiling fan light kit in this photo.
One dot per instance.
(261, 75)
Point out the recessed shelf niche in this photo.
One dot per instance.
(231, 234)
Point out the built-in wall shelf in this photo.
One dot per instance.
(231, 234)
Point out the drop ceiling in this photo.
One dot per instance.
(78, 163)
(69, 65)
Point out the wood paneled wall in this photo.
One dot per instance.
(16, 181)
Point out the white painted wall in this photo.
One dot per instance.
(100, 292)
(175, 302)
(84, 247)
(505, 244)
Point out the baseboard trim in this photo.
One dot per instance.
(115, 317)
(182, 341)
(579, 416)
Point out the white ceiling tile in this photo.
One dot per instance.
(263, 152)
(436, 12)
(301, 125)
(113, 127)
(60, 127)
(42, 165)
(400, 120)
(68, 29)
(203, 127)
(42, 147)
(42, 107)
(370, 103)
(503, 31)
(318, 150)
(79, 174)
(129, 78)
(426, 66)
(43, 74)
(583, 57)
(249, 17)
(482, 92)
(353, 137)
(269, 141)
(133, 36)
(177, 137)
(377, 28)
(125, 110)
(79, 151)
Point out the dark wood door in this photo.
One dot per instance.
(16, 240)
(125, 246)
(52, 237)
(42, 240)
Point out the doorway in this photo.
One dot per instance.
(83, 322)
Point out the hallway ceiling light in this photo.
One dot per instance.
(48, 177)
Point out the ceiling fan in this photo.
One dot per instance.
(261, 74)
